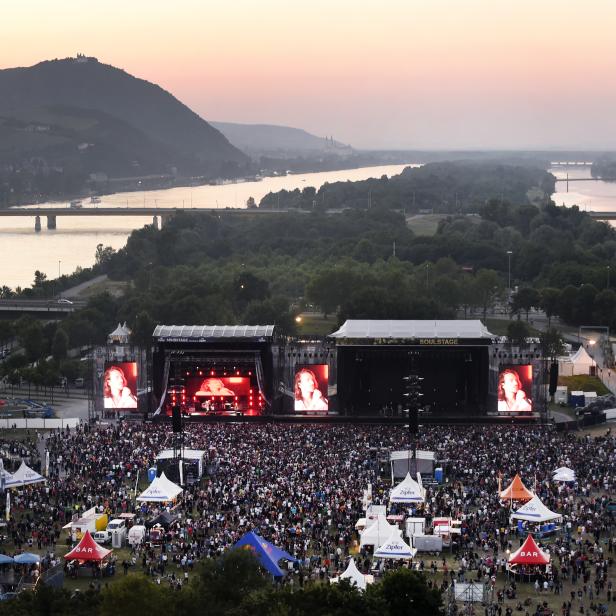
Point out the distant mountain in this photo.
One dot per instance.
(78, 110)
(272, 139)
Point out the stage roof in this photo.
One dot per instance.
(180, 333)
(441, 329)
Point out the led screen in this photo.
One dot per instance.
(310, 388)
(515, 385)
(120, 385)
(227, 388)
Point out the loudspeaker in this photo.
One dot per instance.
(553, 378)
(176, 418)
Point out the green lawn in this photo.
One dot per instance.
(313, 325)
(584, 382)
(424, 224)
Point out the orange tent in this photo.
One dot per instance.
(516, 491)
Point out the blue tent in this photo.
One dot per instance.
(5, 560)
(27, 558)
(267, 553)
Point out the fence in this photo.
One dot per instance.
(35, 423)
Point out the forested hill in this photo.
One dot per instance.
(446, 187)
(271, 139)
(76, 126)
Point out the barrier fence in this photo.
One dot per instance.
(36, 423)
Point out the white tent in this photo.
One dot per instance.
(23, 476)
(535, 511)
(563, 469)
(579, 362)
(407, 491)
(353, 574)
(564, 476)
(161, 490)
(377, 533)
(395, 547)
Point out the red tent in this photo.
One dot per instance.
(87, 549)
(529, 554)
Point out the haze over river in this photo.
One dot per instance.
(73, 243)
(597, 196)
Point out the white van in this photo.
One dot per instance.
(102, 536)
(136, 535)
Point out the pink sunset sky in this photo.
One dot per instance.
(387, 74)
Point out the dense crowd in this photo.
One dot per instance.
(301, 486)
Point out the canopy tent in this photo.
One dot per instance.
(377, 533)
(27, 558)
(395, 547)
(23, 476)
(161, 490)
(564, 476)
(164, 519)
(529, 554)
(87, 549)
(267, 553)
(516, 491)
(5, 559)
(407, 491)
(535, 511)
(353, 574)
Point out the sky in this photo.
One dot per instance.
(425, 74)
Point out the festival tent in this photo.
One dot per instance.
(564, 477)
(5, 559)
(407, 491)
(267, 553)
(377, 533)
(395, 547)
(87, 549)
(516, 491)
(23, 476)
(535, 511)
(27, 558)
(161, 490)
(529, 554)
(353, 574)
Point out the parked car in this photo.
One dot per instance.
(102, 536)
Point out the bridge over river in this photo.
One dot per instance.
(159, 215)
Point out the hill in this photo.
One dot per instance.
(272, 139)
(46, 109)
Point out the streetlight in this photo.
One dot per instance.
(59, 262)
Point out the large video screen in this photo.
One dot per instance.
(515, 385)
(310, 388)
(227, 388)
(120, 385)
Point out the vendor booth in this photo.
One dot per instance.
(23, 476)
(396, 548)
(535, 511)
(528, 559)
(161, 490)
(377, 533)
(408, 491)
(88, 552)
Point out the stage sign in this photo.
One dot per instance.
(515, 384)
(310, 388)
(120, 385)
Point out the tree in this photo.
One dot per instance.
(143, 329)
(251, 203)
(59, 346)
(32, 341)
(487, 287)
(517, 332)
(548, 302)
(551, 343)
(525, 299)
(39, 278)
(103, 254)
(135, 594)
(406, 592)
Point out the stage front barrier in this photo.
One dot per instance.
(10, 423)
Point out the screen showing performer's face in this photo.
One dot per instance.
(219, 386)
(310, 388)
(120, 385)
(514, 389)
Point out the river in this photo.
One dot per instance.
(597, 195)
(73, 243)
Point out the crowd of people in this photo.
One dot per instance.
(302, 487)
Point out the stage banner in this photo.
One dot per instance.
(310, 388)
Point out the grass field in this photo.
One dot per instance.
(584, 382)
(316, 325)
(424, 224)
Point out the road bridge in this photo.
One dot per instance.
(160, 216)
(52, 308)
